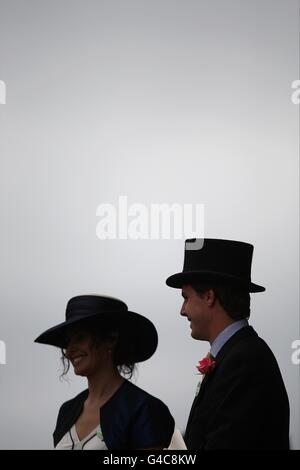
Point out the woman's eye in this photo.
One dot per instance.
(77, 337)
(81, 337)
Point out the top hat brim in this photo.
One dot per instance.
(140, 332)
(180, 279)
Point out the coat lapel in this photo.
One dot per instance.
(68, 415)
(208, 378)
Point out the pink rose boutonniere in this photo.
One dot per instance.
(206, 365)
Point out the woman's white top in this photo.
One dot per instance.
(71, 441)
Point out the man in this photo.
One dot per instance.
(242, 402)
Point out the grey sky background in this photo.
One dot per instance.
(165, 102)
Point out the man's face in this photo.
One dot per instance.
(195, 308)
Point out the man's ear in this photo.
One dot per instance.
(210, 297)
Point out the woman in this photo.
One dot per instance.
(103, 340)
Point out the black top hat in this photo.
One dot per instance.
(215, 260)
(141, 333)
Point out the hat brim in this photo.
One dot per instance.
(180, 279)
(141, 333)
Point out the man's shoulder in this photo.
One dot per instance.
(250, 342)
(246, 347)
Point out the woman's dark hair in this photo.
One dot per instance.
(123, 355)
(234, 299)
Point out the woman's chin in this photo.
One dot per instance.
(81, 371)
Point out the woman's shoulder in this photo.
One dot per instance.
(136, 391)
(135, 419)
(138, 398)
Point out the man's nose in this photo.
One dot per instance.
(182, 311)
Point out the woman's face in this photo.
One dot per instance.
(86, 356)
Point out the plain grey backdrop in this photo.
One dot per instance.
(183, 101)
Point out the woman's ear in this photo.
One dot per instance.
(112, 342)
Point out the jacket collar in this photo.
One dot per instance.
(240, 335)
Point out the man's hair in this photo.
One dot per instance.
(234, 299)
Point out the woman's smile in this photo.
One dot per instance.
(77, 357)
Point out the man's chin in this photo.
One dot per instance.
(198, 336)
(194, 335)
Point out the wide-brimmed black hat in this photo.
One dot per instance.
(218, 261)
(105, 312)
